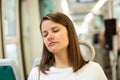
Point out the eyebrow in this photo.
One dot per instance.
(54, 27)
(51, 28)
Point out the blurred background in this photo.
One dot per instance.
(96, 21)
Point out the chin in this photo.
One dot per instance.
(53, 51)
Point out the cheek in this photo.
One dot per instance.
(45, 42)
(65, 39)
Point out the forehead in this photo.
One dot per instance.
(48, 24)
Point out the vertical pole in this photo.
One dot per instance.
(110, 7)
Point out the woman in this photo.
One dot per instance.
(61, 58)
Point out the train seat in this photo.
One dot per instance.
(8, 70)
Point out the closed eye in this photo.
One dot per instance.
(44, 34)
(56, 30)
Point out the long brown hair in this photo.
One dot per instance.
(74, 55)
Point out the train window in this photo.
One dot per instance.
(10, 18)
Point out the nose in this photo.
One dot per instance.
(50, 36)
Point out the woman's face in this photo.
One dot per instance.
(55, 36)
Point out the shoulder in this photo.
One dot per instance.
(90, 67)
(92, 70)
(92, 64)
(95, 65)
(98, 71)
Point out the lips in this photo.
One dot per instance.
(51, 44)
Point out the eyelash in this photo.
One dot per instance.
(55, 30)
(44, 35)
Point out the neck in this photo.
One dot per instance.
(61, 60)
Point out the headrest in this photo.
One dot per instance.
(87, 50)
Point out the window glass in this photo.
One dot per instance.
(10, 24)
